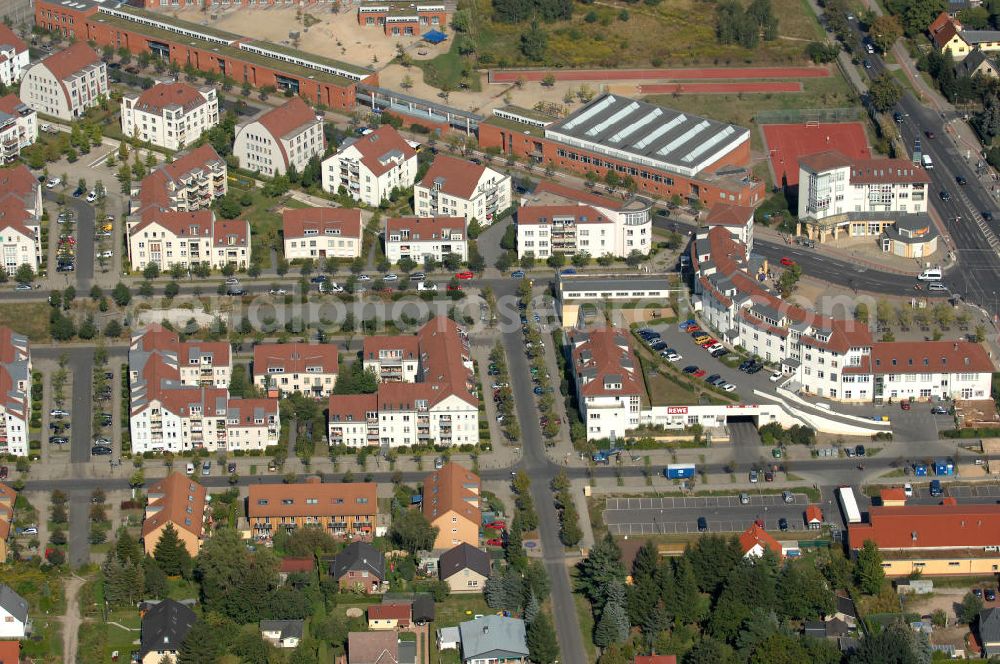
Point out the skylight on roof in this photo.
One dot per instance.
(683, 138)
(636, 126)
(660, 131)
(617, 117)
(590, 112)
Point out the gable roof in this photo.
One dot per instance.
(754, 536)
(389, 612)
(425, 229)
(166, 95)
(12, 105)
(78, 55)
(8, 38)
(295, 358)
(453, 176)
(312, 498)
(165, 626)
(176, 499)
(10, 652)
(452, 489)
(13, 603)
(729, 215)
(359, 557)
(381, 149)
(907, 357)
(989, 625)
(287, 629)
(947, 526)
(845, 605)
(602, 357)
(290, 565)
(946, 32)
(463, 556)
(372, 648)
(321, 222)
(493, 636)
(814, 514)
(655, 659)
(289, 118)
(892, 494)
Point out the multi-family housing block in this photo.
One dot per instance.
(310, 369)
(559, 220)
(66, 83)
(177, 501)
(15, 384)
(418, 238)
(403, 18)
(435, 404)
(319, 233)
(168, 238)
(179, 398)
(20, 219)
(279, 139)
(190, 182)
(451, 498)
(606, 376)
(18, 127)
(455, 187)
(342, 510)
(830, 357)
(14, 54)
(369, 167)
(170, 115)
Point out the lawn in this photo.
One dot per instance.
(459, 608)
(678, 33)
(449, 71)
(740, 109)
(265, 220)
(99, 640)
(45, 595)
(586, 617)
(28, 318)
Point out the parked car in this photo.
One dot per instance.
(908, 490)
(702, 524)
(30, 530)
(744, 499)
(939, 410)
(776, 376)
(100, 450)
(58, 412)
(231, 467)
(53, 182)
(206, 468)
(464, 274)
(783, 524)
(989, 595)
(3, 472)
(494, 541)
(517, 274)
(92, 197)
(787, 497)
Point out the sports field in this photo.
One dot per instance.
(787, 142)
(684, 74)
(718, 88)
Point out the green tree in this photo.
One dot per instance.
(884, 92)
(802, 592)
(542, 644)
(171, 554)
(599, 568)
(892, 645)
(534, 43)
(709, 651)
(970, 608)
(121, 295)
(234, 582)
(884, 31)
(208, 639)
(24, 274)
(868, 572)
(155, 581)
(412, 531)
(789, 279)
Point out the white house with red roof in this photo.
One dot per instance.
(13, 56)
(18, 127)
(281, 138)
(754, 541)
(190, 182)
(310, 369)
(170, 115)
(168, 238)
(609, 388)
(66, 83)
(369, 167)
(320, 233)
(20, 219)
(455, 187)
(437, 407)
(179, 398)
(418, 238)
(15, 401)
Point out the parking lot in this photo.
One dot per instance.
(725, 514)
(983, 491)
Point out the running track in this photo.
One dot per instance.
(704, 88)
(611, 75)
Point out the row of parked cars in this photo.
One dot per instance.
(655, 341)
(703, 339)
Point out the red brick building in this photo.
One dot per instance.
(665, 152)
(261, 64)
(403, 19)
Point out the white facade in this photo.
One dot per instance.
(66, 84)
(417, 238)
(18, 128)
(830, 184)
(188, 239)
(458, 188)
(14, 54)
(605, 375)
(19, 246)
(15, 400)
(320, 233)
(170, 115)
(566, 229)
(13, 614)
(371, 166)
(20, 219)
(288, 136)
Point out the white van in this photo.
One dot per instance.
(190, 469)
(930, 274)
(927, 162)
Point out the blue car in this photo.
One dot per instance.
(568, 271)
(519, 274)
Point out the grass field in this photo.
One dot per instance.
(677, 33)
(28, 318)
(449, 70)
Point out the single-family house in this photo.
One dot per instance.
(359, 567)
(846, 611)
(164, 627)
(379, 648)
(423, 608)
(282, 633)
(291, 565)
(389, 616)
(755, 540)
(464, 568)
(493, 640)
(451, 504)
(989, 632)
(814, 517)
(14, 621)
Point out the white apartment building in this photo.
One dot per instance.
(416, 238)
(284, 137)
(392, 359)
(606, 376)
(15, 388)
(438, 407)
(320, 233)
(20, 219)
(66, 83)
(14, 54)
(18, 127)
(310, 369)
(454, 187)
(179, 399)
(190, 182)
(170, 115)
(169, 238)
(859, 196)
(828, 357)
(371, 166)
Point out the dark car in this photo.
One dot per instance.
(235, 291)
(690, 369)
(978, 592)
(929, 134)
(783, 524)
(658, 345)
(768, 476)
(939, 410)
(702, 524)
(231, 467)
(945, 196)
(78, 192)
(58, 440)
(3, 472)
(318, 279)
(989, 595)
(961, 180)
(859, 450)
(987, 215)
(100, 450)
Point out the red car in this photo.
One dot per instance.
(905, 405)
(496, 541)
(787, 262)
(699, 373)
(464, 274)
(710, 342)
(496, 525)
(454, 287)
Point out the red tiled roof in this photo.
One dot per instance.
(347, 408)
(458, 177)
(162, 95)
(603, 355)
(10, 103)
(655, 659)
(905, 357)
(10, 652)
(389, 612)
(331, 499)
(447, 490)
(424, 229)
(246, 411)
(376, 147)
(814, 514)
(867, 171)
(545, 214)
(295, 358)
(181, 501)
(287, 118)
(929, 527)
(200, 157)
(587, 197)
(237, 230)
(9, 38)
(70, 60)
(892, 494)
(939, 22)
(291, 565)
(197, 223)
(296, 221)
(154, 189)
(729, 215)
(755, 535)
(945, 33)
(407, 345)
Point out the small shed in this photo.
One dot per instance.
(914, 586)
(893, 497)
(434, 37)
(814, 517)
(449, 638)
